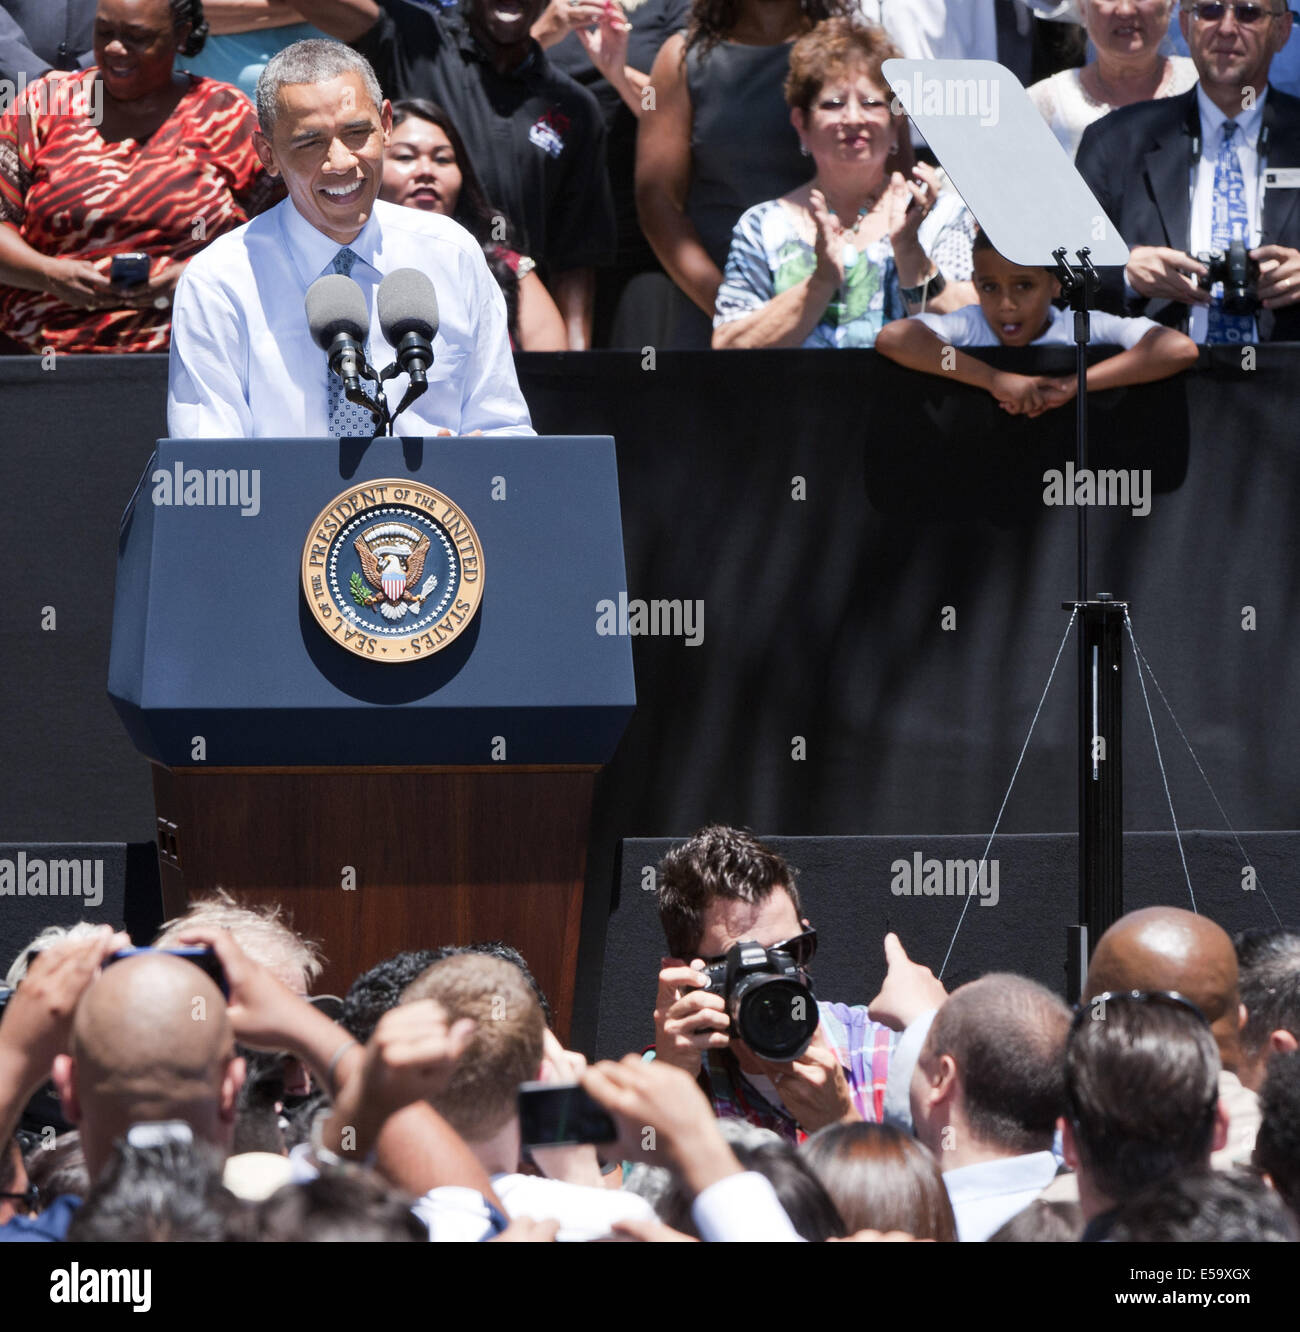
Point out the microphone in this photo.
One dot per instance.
(340, 323)
(408, 315)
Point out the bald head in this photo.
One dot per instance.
(151, 1040)
(1166, 948)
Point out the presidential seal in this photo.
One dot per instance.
(392, 571)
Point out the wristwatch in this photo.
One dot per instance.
(928, 289)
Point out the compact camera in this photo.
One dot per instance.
(769, 999)
(1239, 274)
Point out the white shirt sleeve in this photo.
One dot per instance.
(1114, 330)
(744, 1208)
(491, 400)
(959, 327)
(207, 397)
(902, 1064)
(456, 1215)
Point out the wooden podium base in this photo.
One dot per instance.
(375, 861)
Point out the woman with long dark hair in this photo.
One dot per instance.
(426, 166)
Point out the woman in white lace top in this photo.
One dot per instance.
(1128, 68)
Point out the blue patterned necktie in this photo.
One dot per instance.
(1230, 220)
(347, 419)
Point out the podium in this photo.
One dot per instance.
(441, 797)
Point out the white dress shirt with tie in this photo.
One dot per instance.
(1249, 123)
(243, 363)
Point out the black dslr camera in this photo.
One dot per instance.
(769, 999)
(1239, 274)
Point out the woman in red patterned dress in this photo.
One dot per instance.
(126, 156)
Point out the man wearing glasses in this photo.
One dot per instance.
(1188, 175)
(724, 886)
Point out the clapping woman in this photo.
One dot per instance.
(827, 264)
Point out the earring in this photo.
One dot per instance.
(803, 148)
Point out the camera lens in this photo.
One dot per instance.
(774, 1016)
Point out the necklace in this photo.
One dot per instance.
(1107, 96)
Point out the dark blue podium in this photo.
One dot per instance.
(435, 791)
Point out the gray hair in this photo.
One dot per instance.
(316, 60)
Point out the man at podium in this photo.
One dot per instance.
(243, 360)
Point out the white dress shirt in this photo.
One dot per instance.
(1202, 185)
(243, 363)
(986, 1195)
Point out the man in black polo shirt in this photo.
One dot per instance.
(536, 138)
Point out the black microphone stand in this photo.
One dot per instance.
(1101, 622)
(414, 356)
(347, 359)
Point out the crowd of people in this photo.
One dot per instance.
(193, 1090)
(715, 173)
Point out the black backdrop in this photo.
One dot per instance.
(822, 615)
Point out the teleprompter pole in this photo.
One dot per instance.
(1101, 622)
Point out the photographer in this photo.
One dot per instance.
(720, 888)
(1221, 137)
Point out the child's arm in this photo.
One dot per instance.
(910, 343)
(1161, 352)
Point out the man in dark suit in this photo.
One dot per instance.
(36, 35)
(1182, 175)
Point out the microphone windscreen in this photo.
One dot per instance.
(407, 303)
(336, 304)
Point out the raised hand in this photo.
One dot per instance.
(909, 989)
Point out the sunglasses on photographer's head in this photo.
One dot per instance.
(802, 948)
(1095, 1008)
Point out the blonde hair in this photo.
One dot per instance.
(51, 934)
(262, 932)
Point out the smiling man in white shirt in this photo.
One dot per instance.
(243, 362)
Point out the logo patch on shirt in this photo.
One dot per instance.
(549, 130)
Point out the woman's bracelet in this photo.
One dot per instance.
(931, 287)
(334, 1064)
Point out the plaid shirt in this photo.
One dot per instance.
(864, 1048)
